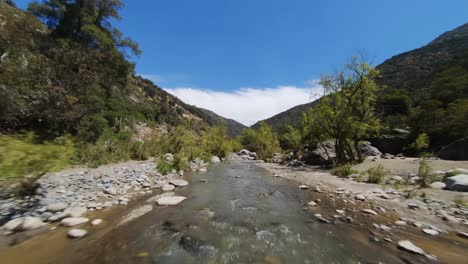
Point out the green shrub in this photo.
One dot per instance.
(25, 154)
(376, 174)
(425, 174)
(343, 171)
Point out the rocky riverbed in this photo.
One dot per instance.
(430, 224)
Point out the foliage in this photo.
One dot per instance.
(346, 113)
(376, 174)
(290, 139)
(426, 176)
(25, 154)
(344, 170)
(461, 202)
(215, 141)
(263, 141)
(420, 143)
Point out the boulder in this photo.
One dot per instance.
(57, 207)
(457, 183)
(172, 200)
(368, 150)
(392, 143)
(215, 159)
(76, 233)
(73, 221)
(243, 152)
(13, 224)
(322, 154)
(457, 150)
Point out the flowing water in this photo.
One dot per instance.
(240, 215)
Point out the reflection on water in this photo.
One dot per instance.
(239, 215)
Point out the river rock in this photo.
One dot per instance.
(57, 207)
(178, 183)
(369, 150)
(140, 211)
(400, 223)
(215, 159)
(437, 185)
(172, 200)
(73, 221)
(167, 188)
(413, 206)
(457, 183)
(360, 197)
(463, 234)
(13, 224)
(431, 232)
(303, 187)
(312, 203)
(76, 211)
(110, 190)
(77, 233)
(410, 247)
(96, 222)
(30, 223)
(369, 211)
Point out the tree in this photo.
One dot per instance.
(291, 139)
(263, 141)
(9, 2)
(346, 113)
(85, 21)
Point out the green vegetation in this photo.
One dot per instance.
(460, 201)
(376, 174)
(346, 114)
(263, 141)
(344, 170)
(426, 176)
(25, 154)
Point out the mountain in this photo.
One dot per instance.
(234, 128)
(434, 77)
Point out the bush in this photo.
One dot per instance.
(425, 174)
(25, 154)
(263, 141)
(343, 171)
(376, 174)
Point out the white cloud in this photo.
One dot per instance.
(248, 105)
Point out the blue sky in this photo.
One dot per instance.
(199, 50)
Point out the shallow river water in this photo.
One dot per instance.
(240, 215)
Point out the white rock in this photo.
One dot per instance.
(56, 207)
(410, 247)
(30, 223)
(437, 185)
(215, 159)
(77, 233)
(303, 187)
(76, 211)
(96, 222)
(413, 206)
(13, 224)
(138, 212)
(431, 232)
(73, 221)
(178, 183)
(457, 183)
(312, 203)
(172, 200)
(462, 234)
(360, 197)
(340, 211)
(167, 188)
(369, 211)
(110, 191)
(400, 223)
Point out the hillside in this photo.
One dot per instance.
(52, 89)
(234, 128)
(425, 89)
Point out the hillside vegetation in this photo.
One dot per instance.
(65, 71)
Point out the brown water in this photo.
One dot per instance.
(241, 215)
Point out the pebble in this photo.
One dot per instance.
(303, 187)
(57, 207)
(463, 234)
(168, 187)
(178, 183)
(400, 223)
(77, 233)
(312, 203)
(360, 197)
(171, 200)
(413, 206)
